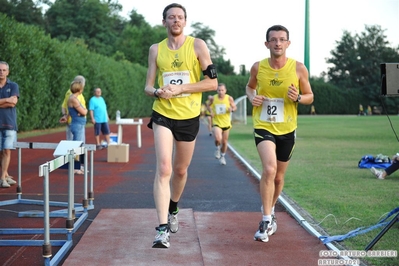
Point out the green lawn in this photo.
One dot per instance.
(324, 179)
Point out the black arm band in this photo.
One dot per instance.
(210, 71)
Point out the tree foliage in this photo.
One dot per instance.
(356, 63)
(25, 11)
(137, 37)
(97, 26)
(96, 23)
(43, 67)
(217, 52)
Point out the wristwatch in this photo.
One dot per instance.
(298, 99)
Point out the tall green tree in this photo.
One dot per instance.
(25, 11)
(356, 62)
(137, 37)
(95, 22)
(356, 59)
(217, 52)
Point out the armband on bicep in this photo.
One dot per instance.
(210, 71)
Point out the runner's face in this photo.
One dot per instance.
(175, 21)
(221, 91)
(277, 43)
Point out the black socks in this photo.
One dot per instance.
(172, 206)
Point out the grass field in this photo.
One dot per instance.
(324, 179)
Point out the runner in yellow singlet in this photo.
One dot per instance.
(179, 61)
(221, 107)
(275, 88)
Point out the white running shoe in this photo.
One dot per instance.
(161, 238)
(377, 173)
(222, 160)
(274, 225)
(10, 180)
(4, 183)
(217, 154)
(173, 222)
(263, 232)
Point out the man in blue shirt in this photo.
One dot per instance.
(99, 117)
(9, 94)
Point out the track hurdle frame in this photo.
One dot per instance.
(88, 199)
(129, 121)
(71, 225)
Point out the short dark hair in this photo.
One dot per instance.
(171, 6)
(277, 28)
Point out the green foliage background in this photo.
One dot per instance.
(44, 67)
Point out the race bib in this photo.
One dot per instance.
(177, 78)
(220, 109)
(273, 110)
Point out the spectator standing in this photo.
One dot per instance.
(99, 117)
(78, 113)
(9, 95)
(66, 118)
(361, 110)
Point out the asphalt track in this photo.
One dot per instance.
(220, 212)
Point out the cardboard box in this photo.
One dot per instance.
(118, 153)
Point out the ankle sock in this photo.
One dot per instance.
(172, 206)
(267, 218)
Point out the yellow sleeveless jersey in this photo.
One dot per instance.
(178, 67)
(220, 109)
(278, 113)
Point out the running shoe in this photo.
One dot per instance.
(376, 172)
(10, 180)
(161, 238)
(274, 225)
(173, 222)
(222, 160)
(274, 221)
(217, 154)
(4, 183)
(263, 232)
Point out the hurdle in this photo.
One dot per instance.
(129, 121)
(88, 196)
(71, 226)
